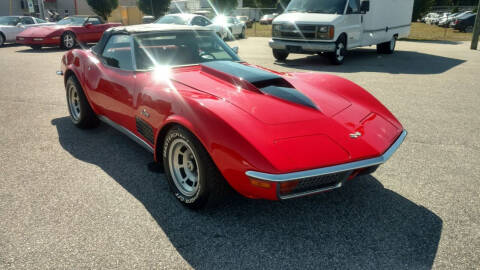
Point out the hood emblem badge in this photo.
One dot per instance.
(356, 135)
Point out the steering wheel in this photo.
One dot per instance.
(208, 56)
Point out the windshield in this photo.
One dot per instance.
(72, 21)
(317, 6)
(180, 48)
(9, 20)
(170, 19)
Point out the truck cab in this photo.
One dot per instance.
(335, 26)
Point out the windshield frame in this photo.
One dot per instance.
(183, 18)
(289, 8)
(71, 18)
(226, 48)
(6, 19)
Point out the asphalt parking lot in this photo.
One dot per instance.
(73, 199)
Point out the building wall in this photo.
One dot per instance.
(13, 7)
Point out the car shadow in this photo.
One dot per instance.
(367, 60)
(362, 225)
(42, 50)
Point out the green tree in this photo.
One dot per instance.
(103, 8)
(420, 7)
(160, 7)
(224, 6)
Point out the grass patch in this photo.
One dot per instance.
(419, 31)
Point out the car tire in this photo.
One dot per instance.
(2, 39)
(68, 41)
(338, 56)
(191, 174)
(387, 47)
(280, 55)
(242, 35)
(36, 47)
(469, 29)
(80, 111)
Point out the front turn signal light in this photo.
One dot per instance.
(260, 183)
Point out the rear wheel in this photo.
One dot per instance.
(36, 47)
(469, 29)
(80, 111)
(192, 176)
(68, 40)
(338, 56)
(280, 55)
(387, 47)
(2, 39)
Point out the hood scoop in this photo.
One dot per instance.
(257, 80)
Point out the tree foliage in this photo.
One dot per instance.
(160, 7)
(225, 6)
(103, 8)
(420, 7)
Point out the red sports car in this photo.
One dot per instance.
(215, 122)
(66, 33)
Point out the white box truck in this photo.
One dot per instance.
(335, 26)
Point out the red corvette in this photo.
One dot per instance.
(66, 33)
(214, 121)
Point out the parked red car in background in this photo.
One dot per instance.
(66, 33)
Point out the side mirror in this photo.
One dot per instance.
(19, 24)
(365, 6)
(235, 49)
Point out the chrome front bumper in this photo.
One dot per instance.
(304, 46)
(332, 170)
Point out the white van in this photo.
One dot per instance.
(335, 26)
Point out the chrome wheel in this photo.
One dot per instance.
(183, 167)
(68, 41)
(340, 52)
(74, 103)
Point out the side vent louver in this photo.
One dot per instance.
(144, 129)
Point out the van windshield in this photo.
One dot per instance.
(317, 6)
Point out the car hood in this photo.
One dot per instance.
(42, 31)
(314, 18)
(297, 114)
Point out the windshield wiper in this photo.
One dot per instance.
(317, 11)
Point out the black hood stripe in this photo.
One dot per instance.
(266, 82)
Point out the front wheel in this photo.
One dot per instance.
(192, 176)
(338, 56)
(2, 40)
(242, 35)
(80, 111)
(68, 40)
(280, 55)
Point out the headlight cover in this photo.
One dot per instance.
(325, 31)
(276, 30)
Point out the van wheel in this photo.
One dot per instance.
(280, 55)
(387, 47)
(337, 57)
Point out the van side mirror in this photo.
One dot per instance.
(365, 6)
